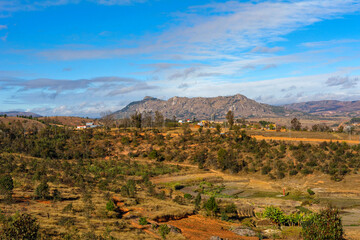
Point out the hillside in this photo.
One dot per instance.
(25, 122)
(17, 113)
(327, 107)
(203, 108)
(66, 121)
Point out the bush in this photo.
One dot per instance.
(56, 195)
(197, 201)
(143, 221)
(20, 226)
(275, 214)
(211, 206)
(323, 226)
(188, 196)
(42, 191)
(6, 186)
(311, 192)
(164, 230)
(110, 206)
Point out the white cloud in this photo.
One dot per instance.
(234, 29)
(3, 27)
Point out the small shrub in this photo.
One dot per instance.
(110, 206)
(211, 206)
(311, 192)
(143, 221)
(56, 195)
(68, 208)
(164, 230)
(188, 196)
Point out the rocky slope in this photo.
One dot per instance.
(203, 108)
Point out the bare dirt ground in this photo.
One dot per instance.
(197, 227)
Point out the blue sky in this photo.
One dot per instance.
(84, 57)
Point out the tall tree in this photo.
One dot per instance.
(136, 119)
(230, 118)
(159, 119)
(147, 119)
(6, 186)
(295, 124)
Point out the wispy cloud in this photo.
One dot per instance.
(54, 87)
(329, 43)
(10, 6)
(343, 82)
(118, 2)
(4, 38)
(3, 27)
(266, 49)
(135, 88)
(234, 28)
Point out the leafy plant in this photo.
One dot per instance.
(143, 221)
(20, 226)
(110, 206)
(211, 206)
(323, 226)
(42, 191)
(275, 214)
(164, 230)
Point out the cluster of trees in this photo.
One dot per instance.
(54, 142)
(235, 152)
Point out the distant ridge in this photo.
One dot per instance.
(203, 108)
(17, 113)
(327, 107)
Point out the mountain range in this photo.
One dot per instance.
(327, 107)
(204, 108)
(17, 113)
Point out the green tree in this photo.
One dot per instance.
(159, 119)
(211, 206)
(136, 120)
(42, 191)
(218, 128)
(295, 124)
(230, 118)
(197, 201)
(20, 227)
(6, 186)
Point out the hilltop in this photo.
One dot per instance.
(203, 108)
